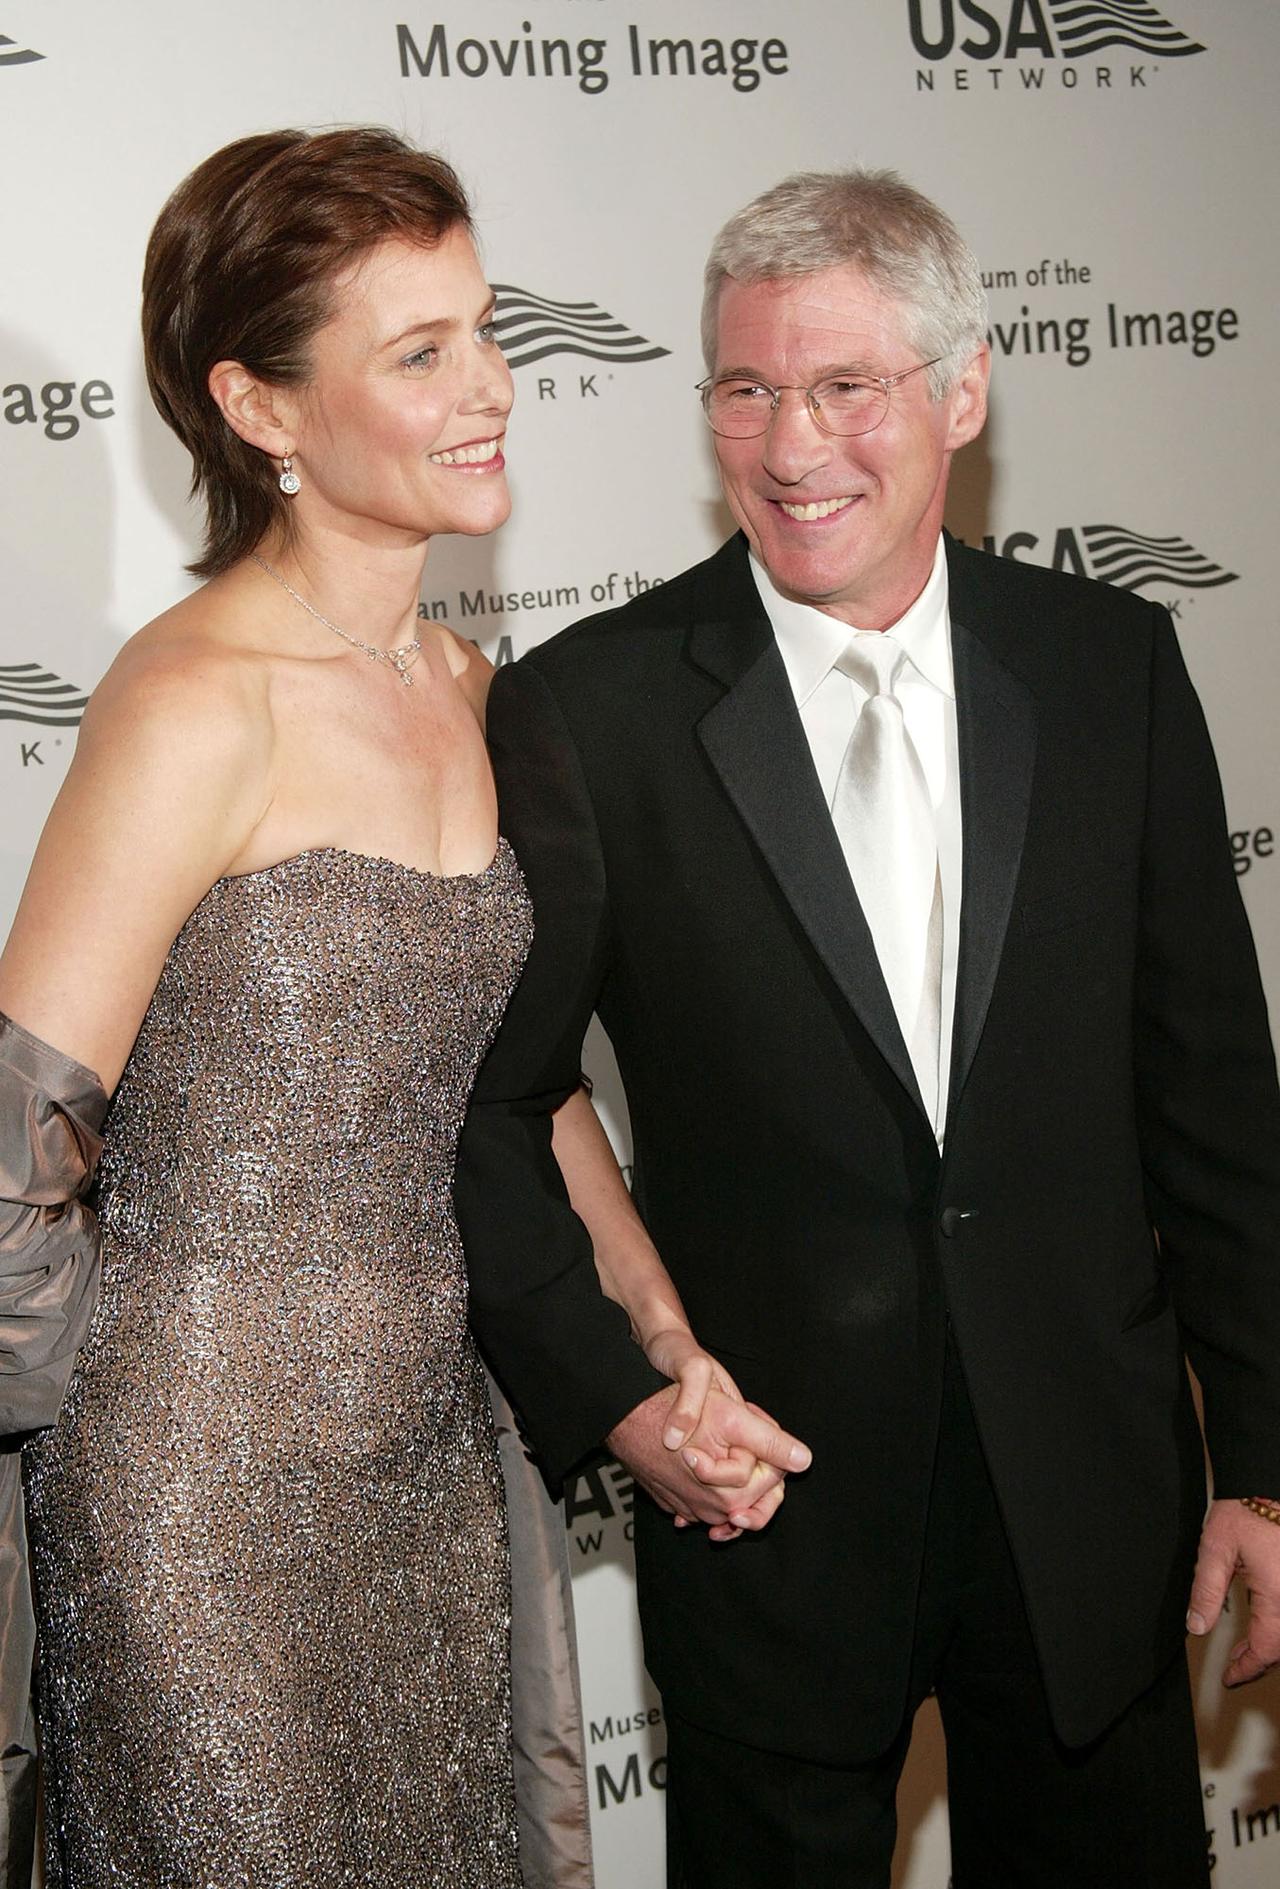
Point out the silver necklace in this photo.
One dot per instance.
(401, 660)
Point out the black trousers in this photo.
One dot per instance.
(1026, 1811)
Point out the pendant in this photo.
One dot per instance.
(403, 659)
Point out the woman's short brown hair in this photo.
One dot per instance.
(241, 266)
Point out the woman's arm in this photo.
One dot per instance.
(157, 800)
(631, 1273)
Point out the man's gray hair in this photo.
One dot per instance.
(900, 241)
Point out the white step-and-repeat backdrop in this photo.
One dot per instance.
(1113, 165)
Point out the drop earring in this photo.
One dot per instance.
(289, 480)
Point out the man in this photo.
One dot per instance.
(898, 875)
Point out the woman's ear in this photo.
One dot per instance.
(261, 414)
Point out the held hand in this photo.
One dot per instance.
(738, 1446)
(735, 1441)
(745, 1499)
(638, 1444)
(716, 1462)
(1236, 1541)
(761, 1495)
(726, 1438)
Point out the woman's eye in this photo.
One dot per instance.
(485, 332)
(422, 357)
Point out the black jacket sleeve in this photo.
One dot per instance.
(563, 1351)
(1208, 1103)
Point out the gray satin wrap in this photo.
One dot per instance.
(546, 1708)
(51, 1110)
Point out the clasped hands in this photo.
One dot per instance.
(700, 1449)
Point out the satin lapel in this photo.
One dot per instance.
(754, 739)
(996, 725)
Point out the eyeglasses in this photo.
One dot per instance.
(738, 407)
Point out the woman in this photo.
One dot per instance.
(271, 905)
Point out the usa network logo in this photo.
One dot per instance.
(1061, 30)
(1116, 555)
(20, 56)
(530, 328)
(30, 693)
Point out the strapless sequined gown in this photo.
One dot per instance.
(267, 1530)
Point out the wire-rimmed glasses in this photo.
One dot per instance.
(738, 406)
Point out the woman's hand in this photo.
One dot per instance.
(677, 1354)
(725, 1447)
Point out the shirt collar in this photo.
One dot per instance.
(811, 642)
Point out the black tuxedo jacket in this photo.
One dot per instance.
(1107, 1204)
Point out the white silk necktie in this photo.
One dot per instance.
(884, 820)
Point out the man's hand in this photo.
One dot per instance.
(1236, 1541)
(730, 1473)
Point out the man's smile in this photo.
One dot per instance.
(812, 509)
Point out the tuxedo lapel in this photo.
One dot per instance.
(997, 737)
(754, 739)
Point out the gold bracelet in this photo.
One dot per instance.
(1269, 1511)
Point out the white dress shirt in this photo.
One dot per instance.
(811, 643)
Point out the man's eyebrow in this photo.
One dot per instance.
(829, 372)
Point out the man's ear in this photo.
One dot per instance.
(968, 400)
(262, 415)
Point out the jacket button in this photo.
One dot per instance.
(953, 1218)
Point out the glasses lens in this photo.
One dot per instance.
(846, 405)
(738, 408)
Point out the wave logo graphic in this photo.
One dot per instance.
(30, 693)
(1130, 560)
(1066, 29)
(1085, 26)
(19, 58)
(1113, 554)
(529, 328)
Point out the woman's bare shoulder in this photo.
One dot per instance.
(184, 673)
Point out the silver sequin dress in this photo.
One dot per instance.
(267, 1530)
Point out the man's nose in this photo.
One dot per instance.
(794, 444)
